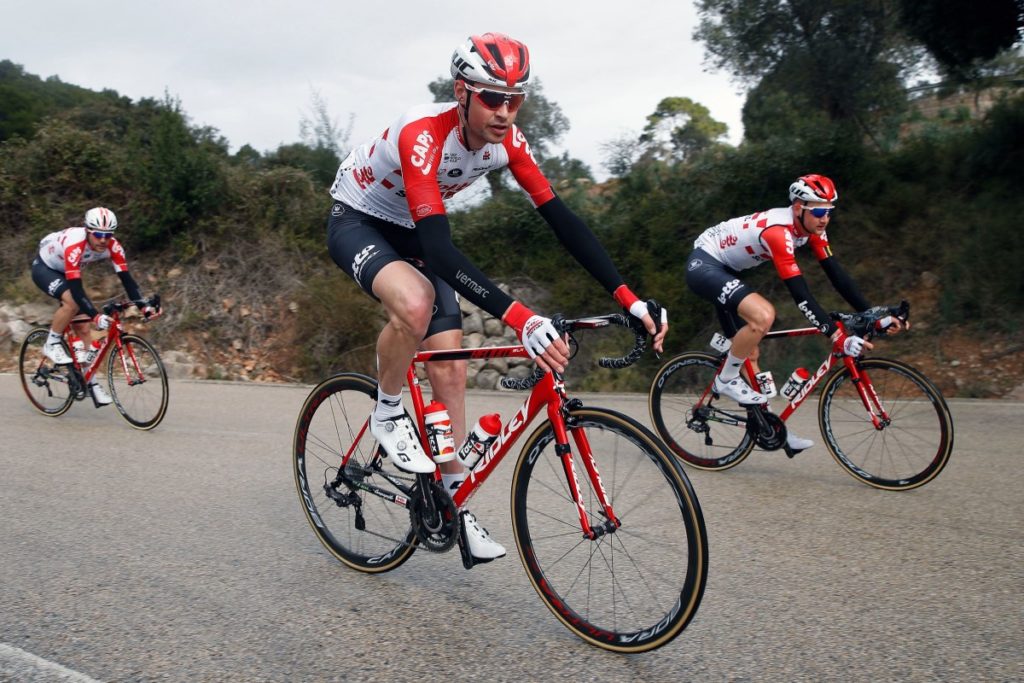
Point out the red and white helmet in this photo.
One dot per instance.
(100, 219)
(492, 59)
(813, 188)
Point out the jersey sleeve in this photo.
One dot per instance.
(524, 168)
(819, 246)
(117, 257)
(73, 254)
(779, 241)
(419, 149)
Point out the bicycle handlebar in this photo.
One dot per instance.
(567, 326)
(119, 306)
(863, 324)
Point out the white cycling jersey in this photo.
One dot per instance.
(407, 172)
(748, 241)
(66, 251)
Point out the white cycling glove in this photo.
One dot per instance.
(102, 321)
(535, 331)
(850, 346)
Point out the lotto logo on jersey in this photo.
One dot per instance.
(727, 241)
(75, 254)
(420, 151)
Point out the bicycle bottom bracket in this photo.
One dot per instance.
(766, 428)
(436, 523)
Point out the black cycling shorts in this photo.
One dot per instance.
(53, 282)
(714, 281)
(361, 245)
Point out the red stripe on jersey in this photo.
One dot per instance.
(762, 223)
(750, 250)
(387, 183)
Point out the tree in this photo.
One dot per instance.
(962, 34)
(846, 58)
(678, 128)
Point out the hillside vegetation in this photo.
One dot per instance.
(235, 242)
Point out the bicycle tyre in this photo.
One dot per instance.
(138, 382)
(676, 389)
(906, 453)
(328, 426)
(47, 386)
(661, 572)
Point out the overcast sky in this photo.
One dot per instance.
(248, 68)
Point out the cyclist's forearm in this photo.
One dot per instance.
(844, 284)
(452, 266)
(808, 305)
(81, 298)
(131, 287)
(581, 242)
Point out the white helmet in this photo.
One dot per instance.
(813, 188)
(100, 219)
(492, 59)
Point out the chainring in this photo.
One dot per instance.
(767, 429)
(439, 533)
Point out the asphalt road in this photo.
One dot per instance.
(182, 554)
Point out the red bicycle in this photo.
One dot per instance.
(619, 554)
(882, 420)
(135, 374)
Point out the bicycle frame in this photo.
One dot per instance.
(868, 396)
(110, 341)
(548, 393)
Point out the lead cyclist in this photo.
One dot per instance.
(389, 231)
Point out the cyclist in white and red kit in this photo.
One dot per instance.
(389, 231)
(738, 244)
(57, 271)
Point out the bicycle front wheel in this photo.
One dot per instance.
(708, 433)
(48, 386)
(635, 587)
(914, 439)
(350, 511)
(138, 382)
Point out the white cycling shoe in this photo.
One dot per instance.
(739, 391)
(798, 443)
(100, 394)
(482, 547)
(56, 353)
(397, 437)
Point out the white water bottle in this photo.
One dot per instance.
(81, 355)
(479, 439)
(766, 383)
(795, 382)
(439, 432)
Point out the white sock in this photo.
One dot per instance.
(731, 369)
(387, 405)
(53, 338)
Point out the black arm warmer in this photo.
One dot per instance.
(844, 284)
(580, 242)
(452, 266)
(811, 309)
(130, 286)
(81, 298)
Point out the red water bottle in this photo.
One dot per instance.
(479, 439)
(439, 432)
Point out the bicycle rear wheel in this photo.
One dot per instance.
(364, 530)
(47, 386)
(906, 451)
(138, 382)
(708, 433)
(632, 589)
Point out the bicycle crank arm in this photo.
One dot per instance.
(766, 428)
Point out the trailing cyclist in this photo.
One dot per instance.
(389, 231)
(57, 271)
(738, 244)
